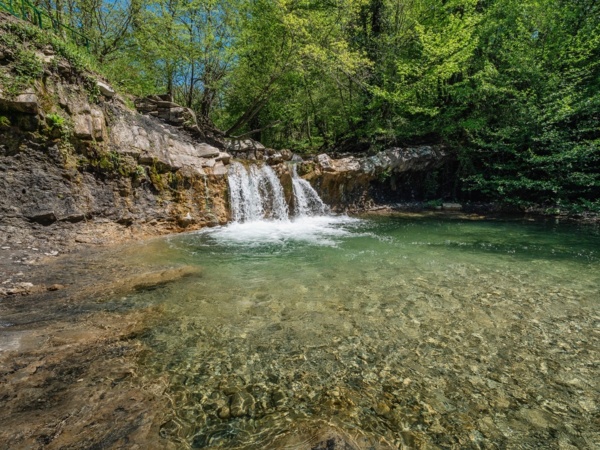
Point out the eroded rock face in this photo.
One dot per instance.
(394, 159)
(166, 110)
(73, 162)
(152, 143)
(345, 183)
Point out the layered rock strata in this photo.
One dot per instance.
(348, 183)
(78, 166)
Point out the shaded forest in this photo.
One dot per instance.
(513, 87)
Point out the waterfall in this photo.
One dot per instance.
(256, 193)
(306, 200)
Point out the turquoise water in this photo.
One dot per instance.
(397, 332)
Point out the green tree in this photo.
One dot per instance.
(537, 135)
(283, 45)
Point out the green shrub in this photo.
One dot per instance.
(385, 175)
(4, 122)
(28, 65)
(55, 121)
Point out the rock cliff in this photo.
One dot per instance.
(78, 165)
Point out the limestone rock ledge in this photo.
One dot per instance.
(394, 159)
(348, 183)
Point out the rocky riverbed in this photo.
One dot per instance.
(421, 335)
(69, 354)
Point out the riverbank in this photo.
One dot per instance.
(68, 376)
(477, 211)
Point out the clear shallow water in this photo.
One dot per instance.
(412, 332)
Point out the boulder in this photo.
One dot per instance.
(105, 89)
(243, 145)
(97, 124)
(219, 169)
(209, 163)
(207, 151)
(26, 102)
(325, 162)
(274, 159)
(286, 154)
(224, 157)
(82, 124)
(167, 104)
(452, 206)
(347, 165)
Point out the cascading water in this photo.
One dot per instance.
(306, 200)
(256, 194)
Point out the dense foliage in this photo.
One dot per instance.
(512, 85)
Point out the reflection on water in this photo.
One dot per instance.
(397, 332)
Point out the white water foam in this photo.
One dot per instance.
(315, 230)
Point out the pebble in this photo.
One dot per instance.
(56, 287)
(224, 412)
(242, 404)
(469, 382)
(382, 409)
(278, 398)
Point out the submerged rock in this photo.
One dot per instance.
(71, 384)
(452, 206)
(152, 279)
(242, 404)
(148, 280)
